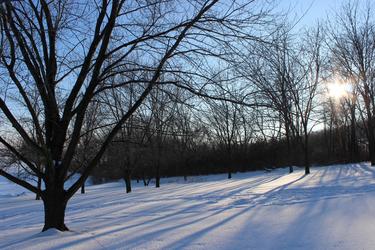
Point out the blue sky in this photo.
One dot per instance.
(313, 9)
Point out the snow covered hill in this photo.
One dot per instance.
(332, 208)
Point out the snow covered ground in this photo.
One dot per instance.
(332, 208)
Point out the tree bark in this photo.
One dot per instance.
(229, 152)
(83, 188)
(157, 177)
(54, 210)
(186, 166)
(127, 179)
(289, 151)
(354, 153)
(306, 152)
(157, 170)
(39, 187)
(229, 175)
(144, 181)
(371, 141)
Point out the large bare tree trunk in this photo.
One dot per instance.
(54, 210)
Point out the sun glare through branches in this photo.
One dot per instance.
(338, 90)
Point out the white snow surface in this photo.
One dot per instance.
(332, 208)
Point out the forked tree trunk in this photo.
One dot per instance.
(144, 181)
(54, 210)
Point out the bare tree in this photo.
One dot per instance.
(70, 51)
(353, 53)
(224, 119)
(271, 71)
(305, 89)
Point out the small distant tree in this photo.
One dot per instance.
(305, 89)
(224, 118)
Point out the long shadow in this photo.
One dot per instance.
(323, 174)
(206, 200)
(368, 168)
(185, 210)
(207, 197)
(235, 189)
(142, 236)
(198, 234)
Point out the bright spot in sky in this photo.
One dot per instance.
(337, 90)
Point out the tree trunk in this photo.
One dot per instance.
(144, 180)
(127, 180)
(39, 187)
(54, 210)
(289, 155)
(157, 178)
(83, 188)
(186, 166)
(290, 169)
(157, 172)
(229, 152)
(371, 141)
(287, 134)
(306, 152)
(354, 153)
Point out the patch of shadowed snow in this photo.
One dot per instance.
(8, 189)
(332, 208)
(52, 233)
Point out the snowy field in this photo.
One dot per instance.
(332, 208)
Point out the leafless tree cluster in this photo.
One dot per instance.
(60, 59)
(146, 88)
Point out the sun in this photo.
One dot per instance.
(338, 90)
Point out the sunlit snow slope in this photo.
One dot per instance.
(332, 208)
